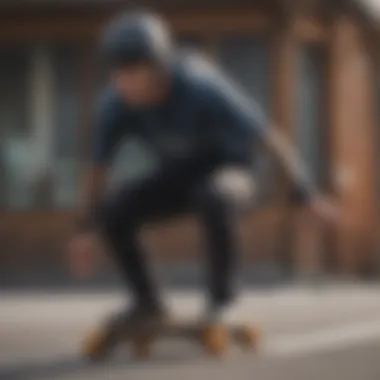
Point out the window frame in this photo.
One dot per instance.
(41, 101)
(323, 169)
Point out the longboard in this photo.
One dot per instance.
(214, 339)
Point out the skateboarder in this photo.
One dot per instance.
(204, 131)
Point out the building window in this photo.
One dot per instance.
(15, 142)
(38, 126)
(247, 60)
(311, 131)
(190, 42)
(66, 71)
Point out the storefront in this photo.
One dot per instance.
(311, 68)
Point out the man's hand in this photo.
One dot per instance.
(84, 247)
(83, 250)
(287, 155)
(325, 209)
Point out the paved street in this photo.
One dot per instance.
(329, 333)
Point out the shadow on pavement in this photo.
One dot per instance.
(74, 366)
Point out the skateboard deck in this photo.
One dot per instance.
(214, 339)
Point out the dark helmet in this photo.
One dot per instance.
(136, 37)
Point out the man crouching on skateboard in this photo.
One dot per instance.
(204, 132)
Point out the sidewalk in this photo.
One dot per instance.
(335, 328)
(278, 308)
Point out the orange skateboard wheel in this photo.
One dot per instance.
(215, 340)
(96, 346)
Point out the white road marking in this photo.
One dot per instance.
(321, 340)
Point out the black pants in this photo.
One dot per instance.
(178, 188)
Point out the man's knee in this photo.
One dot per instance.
(230, 186)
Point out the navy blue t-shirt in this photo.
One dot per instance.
(204, 111)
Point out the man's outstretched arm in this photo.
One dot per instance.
(232, 106)
(303, 189)
(287, 156)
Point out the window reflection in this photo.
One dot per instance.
(66, 122)
(189, 42)
(16, 163)
(246, 58)
(38, 126)
(311, 112)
